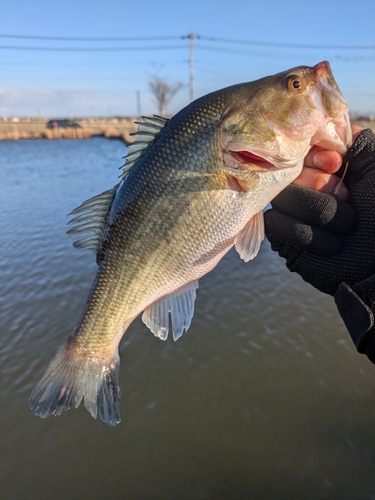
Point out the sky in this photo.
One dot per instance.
(239, 41)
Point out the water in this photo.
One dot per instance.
(264, 397)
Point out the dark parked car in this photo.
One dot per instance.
(62, 124)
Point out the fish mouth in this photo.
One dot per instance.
(326, 97)
(247, 159)
(336, 135)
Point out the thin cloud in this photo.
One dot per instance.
(44, 102)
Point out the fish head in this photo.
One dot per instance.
(277, 119)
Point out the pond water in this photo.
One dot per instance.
(264, 396)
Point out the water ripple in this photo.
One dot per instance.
(265, 384)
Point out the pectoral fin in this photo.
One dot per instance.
(249, 239)
(180, 304)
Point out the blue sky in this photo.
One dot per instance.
(278, 35)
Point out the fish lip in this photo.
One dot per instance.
(327, 98)
(336, 134)
(327, 81)
(251, 161)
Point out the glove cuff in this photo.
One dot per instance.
(356, 314)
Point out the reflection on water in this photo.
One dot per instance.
(264, 397)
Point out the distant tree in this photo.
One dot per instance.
(163, 91)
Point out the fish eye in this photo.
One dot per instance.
(295, 83)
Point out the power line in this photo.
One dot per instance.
(255, 52)
(292, 45)
(81, 64)
(210, 39)
(88, 39)
(92, 49)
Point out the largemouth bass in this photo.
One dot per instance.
(193, 187)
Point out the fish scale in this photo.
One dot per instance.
(192, 187)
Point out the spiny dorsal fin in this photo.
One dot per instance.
(95, 209)
(148, 131)
(91, 219)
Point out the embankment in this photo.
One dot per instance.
(36, 129)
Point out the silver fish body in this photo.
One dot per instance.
(193, 187)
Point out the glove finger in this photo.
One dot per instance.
(321, 210)
(284, 232)
(320, 272)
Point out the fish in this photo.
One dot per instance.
(193, 186)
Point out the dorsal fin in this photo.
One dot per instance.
(91, 220)
(94, 210)
(148, 131)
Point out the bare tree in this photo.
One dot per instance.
(163, 91)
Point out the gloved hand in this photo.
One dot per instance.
(331, 244)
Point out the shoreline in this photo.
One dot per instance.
(115, 128)
(22, 129)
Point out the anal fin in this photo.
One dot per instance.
(248, 241)
(180, 305)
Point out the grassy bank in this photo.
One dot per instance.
(110, 128)
(36, 129)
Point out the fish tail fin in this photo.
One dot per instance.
(69, 378)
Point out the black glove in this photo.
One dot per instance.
(332, 244)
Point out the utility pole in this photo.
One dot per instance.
(191, 37)
(139, 103)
